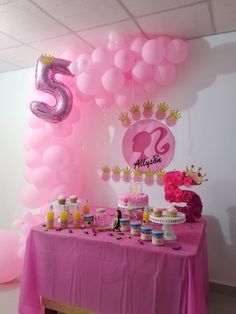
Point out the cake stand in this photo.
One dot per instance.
(167, 223)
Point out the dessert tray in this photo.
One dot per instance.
(167, 223)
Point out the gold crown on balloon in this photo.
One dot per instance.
(196, 176)
(47, 59)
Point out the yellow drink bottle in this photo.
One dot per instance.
(50, 218)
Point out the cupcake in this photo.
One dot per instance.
(171, 212)
(73, 199)
(61, 199)
(157, 212)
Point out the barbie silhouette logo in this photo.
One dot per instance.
(148, 144)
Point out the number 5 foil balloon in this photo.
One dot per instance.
(45, 81)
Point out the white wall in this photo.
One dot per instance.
(206, 94)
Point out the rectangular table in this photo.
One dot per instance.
(109, 276)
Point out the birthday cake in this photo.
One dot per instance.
(132, 199)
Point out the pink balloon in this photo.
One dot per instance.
(68, 174)
(104, 100)
(164, 40)
(33, 158)
(137, 45)
(83, 62)
(10, 263)
(56, 157)
(39, 140)
(164, 73)
(43, 177)
(124, 60)
(59, 129)
(125, 97)
(177, 51)
(153, 51)
(88, 83)
(150, 86)
(35, 122)
(69, 55)
(17, 223)
(142, 71)
(45, 81)
(31, 197)
(113, 80)
(102, 55)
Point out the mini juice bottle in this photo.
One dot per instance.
(64, 219)
(86, 207)
(76, 219)
(50, 218)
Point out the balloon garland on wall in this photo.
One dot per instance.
(119, 73)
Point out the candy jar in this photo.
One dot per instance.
(100, 217)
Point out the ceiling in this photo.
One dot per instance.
(29, 28)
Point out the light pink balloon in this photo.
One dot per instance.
(60, 129)
(176, 51)
(113, 80)
(153, 51)
(10, 263)
(32, 197)
(56, 157)
(43, 177)
(125, 97)
(164, 40)
(39, 140)
(34, 122)
(68, 174)
(33, 158)
(28, 218)
(88, 83)
(164, 73)
(124, 60)
(17, 223)
(142, 71)
(83, 62)
(21, 252)
(137, 45)
(150, 86)
(101, 55)
(104, 100)
(69, 55)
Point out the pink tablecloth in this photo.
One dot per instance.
(112, 276)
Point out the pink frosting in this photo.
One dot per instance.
(133, 199)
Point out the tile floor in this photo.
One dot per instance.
(9, 294)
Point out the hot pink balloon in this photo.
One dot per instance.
(137, 45)
(88, 83)
(153, 51)
(43, 177)
(33, 158)
(56, 157)
(142, 71)
(47, 68)
(113, 80)
(124, 60)
(10, 263)
(176, 51)
(164, 73)
(31, 197)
